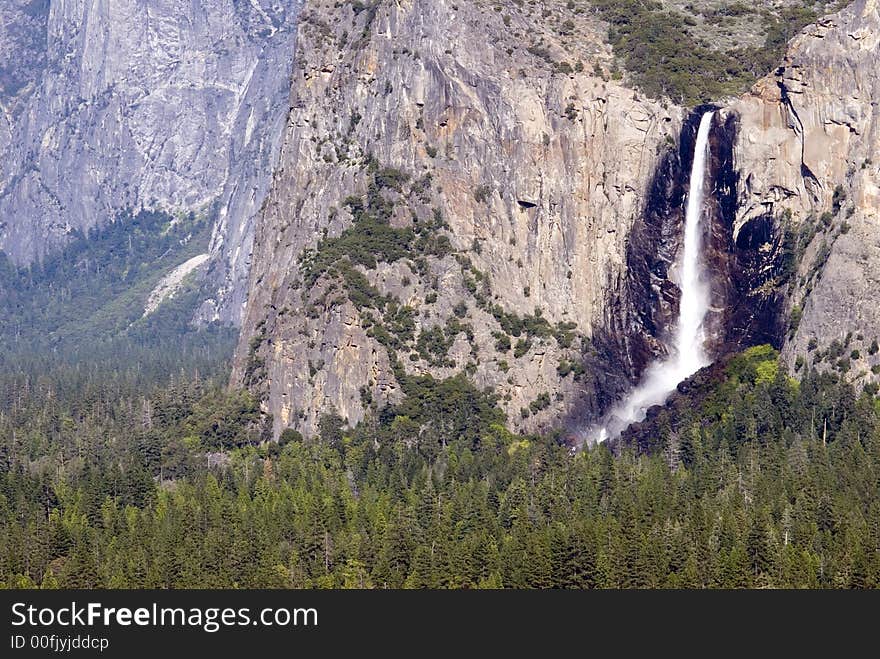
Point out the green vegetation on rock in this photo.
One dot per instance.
(85, 303)
(667, 53)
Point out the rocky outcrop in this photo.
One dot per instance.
(496, 131)
(559, 194)
(171, 283)
(176, 105)
(746, 263)
(808, 154)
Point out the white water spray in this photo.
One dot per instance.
(688, 354)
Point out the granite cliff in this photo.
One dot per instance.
(469, 191)
(171, 105)
(808, 153)
(492, 133)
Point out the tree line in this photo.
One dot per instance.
(109, 487)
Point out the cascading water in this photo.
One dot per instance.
(688, 354)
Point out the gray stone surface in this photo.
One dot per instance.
(812, 128)
(566, 158)
(170, 104)
(563, 156)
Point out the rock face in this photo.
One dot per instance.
(492, 132)
(559, 195)
(169, 104)
(747, 263)
(808, 149)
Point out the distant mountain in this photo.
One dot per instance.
(173, 106)
(102, 297)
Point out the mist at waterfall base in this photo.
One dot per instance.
(687, 355)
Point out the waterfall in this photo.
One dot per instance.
(688, 354)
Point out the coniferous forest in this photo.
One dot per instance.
(771, 484)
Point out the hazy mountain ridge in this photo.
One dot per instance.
(170, 105)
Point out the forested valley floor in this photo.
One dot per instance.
(771, 483)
